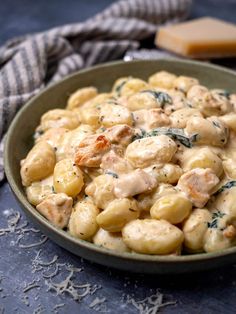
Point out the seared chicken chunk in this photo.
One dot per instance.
(91, 149)
(57, 209)
(197, 185)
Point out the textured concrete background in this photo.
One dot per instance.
(24, 271)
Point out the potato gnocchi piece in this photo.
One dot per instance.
(97, 100)
(229, 120)
(229, 150)
(201, 157)
(101, 190)
(151, 236)
(146, 200)
(146, 151)
(211, 131)
(117, 214)
(197, 184)
(221, 232)
(133, 183)
(67, 178)
(225, 201)
(229, 166)
(210, 103)
(130, 87)
(110, 240)
(217, 103)
(91, 149)
(194, 229)
(184, 83)
(89, 114)
(179, 118)
(81, 96)
(141, 100)
(162, 79)
(196, 95)
(174, 208)
(150, 119)
(57, 209)
(39, 163)
(82, 223)
(118, 85)
(58, 118)
(216, 241)
(167, 173)
(111, 115)
(52, 136)
(178, 102)
(39, 190)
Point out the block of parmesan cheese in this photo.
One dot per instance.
(202, 38)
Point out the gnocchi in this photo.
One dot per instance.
(117, 214)
(82, 223)
(144, 152)
(151, 236)
(146, 167)
(39, 163)
(67, 178)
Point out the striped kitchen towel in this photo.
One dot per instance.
(31, 62)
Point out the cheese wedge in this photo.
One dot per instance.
(201, 38)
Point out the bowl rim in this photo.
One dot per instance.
(21, 197)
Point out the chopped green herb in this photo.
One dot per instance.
(113, 174)
(53, 190)
(218, 214)
(112, 102)
(119, 88)
(140, 135)
(213, 224)
(215, 219)
(225, 94)
(175, 134)
(216, 124)
(226, 186)
(132, 210)
(163, 98)
(37, 134)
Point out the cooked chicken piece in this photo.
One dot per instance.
(133, 183)
(57, 209)
(121, 134)
(197, 184)
(52, 136)
(150, 119)
(112, 162)
(91, 149)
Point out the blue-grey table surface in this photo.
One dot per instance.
(24, 272)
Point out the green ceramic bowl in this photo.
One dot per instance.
(19, 142)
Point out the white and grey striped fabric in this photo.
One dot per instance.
(29, 63)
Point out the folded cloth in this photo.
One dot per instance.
(31, 62)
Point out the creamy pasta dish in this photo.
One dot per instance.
(149, 167)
